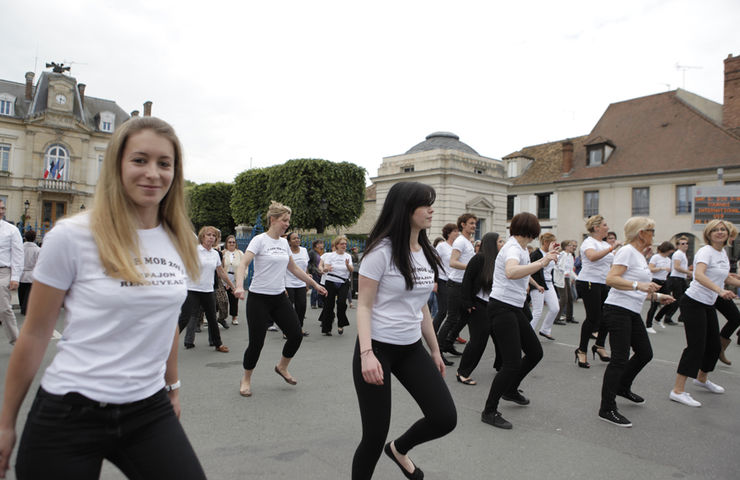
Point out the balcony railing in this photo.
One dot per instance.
(55, 185)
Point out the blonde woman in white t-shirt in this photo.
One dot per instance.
(268, 301)
(232, 256)
(111, 391)
(337, 268)
(397, 275)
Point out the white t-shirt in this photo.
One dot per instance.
(595, 271)
(466, 249)
(271, 259)
(563, 269)
(445, 250)
(339, 271)
(660, 262)
(718, 267)
(547, 271)
(396, 315)
(209, 260)
(300, 259)
(117, 334)
(683, 263)
(637, 270)
(513, 292)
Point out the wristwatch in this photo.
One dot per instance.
(174, 386)
(634, 285)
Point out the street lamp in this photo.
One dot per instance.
(26, 206)
(323, 206)
(82, 207)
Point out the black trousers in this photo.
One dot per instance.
(69, 436)
(593, 295)
(654, 305)
(702, 337)
(297, 297)
(233, 304)
(677, 287)
(414, 368)
(565, 296)
(339, 293)
(513, 335)
(480, 326)
(441, 304)
(24, 290)
(456, 319)
(626, 331)
(729, 310)
(262, 311)
(207, 301)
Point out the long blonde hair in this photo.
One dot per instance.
(112, 219)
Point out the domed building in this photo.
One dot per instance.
(465, 181)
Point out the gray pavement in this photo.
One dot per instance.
(310, 431)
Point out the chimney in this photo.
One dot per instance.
(567, 157)
(148, 108)
(135, 113)
(29, 85)
(731, 106)
(81, 89)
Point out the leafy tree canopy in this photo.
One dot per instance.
(210, 204)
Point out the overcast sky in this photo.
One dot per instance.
(258, 83)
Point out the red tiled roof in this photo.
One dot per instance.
(548, 161)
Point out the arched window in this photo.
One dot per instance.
(56, 163)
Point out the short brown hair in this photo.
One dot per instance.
(666, 247)
(525, 225)
(448, 229)
(462, 219)
(546, 238)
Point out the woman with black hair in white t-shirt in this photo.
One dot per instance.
(397, 275)
(267, 301)
(630, 281)
(511, 327)
(296, 287)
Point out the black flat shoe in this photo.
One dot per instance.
(516, 397)
(326, 334)
(417, 474)
(188, 346)
(559, 322)
(596, 351)
(495, 419)
(447, 363)
(631, 396)
(572, 321)
(549, 337)
(224, 324)
(452, 351)
(467, 381)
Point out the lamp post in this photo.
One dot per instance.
(324, 205)
(26, 206)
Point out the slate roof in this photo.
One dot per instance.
(662, 133)
(442, 140)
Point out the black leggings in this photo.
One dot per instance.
(513, 335)
(625, 330)
(593, 295)
(297, 297)
(327, 314)
(480, 327)
(441, 304)
(729, 310)
(68, 436)
(233, 304)
(654, 305)
(702, 337)
(677, 287)
(414, 368)
(456, 318)
(262, 310)
(206, 301)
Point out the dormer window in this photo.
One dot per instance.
(595, 155)
(598, 151)
(408, 169)
(107, 122)
(7, 104)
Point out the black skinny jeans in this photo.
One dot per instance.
(297, 297)
(207, 301)
(702, 337)
(414, 368)
(68, 436)
(24, 290)
(480, 327)
(625, 330)
(677, 287)
(233, 304)
(513, 335)
(441, 304)
(338, 292)
(593, 295)
(262, 311)
(455, 322)
(654, 305)
(729, 310)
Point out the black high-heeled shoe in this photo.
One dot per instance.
(580, 363)
(595, 350)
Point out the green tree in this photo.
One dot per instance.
(210, 204)
(305, 185)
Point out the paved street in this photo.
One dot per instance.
(310, 431)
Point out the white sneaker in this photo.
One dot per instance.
(662, 324)
(272, 328)
(712, 387)
(684, 398)
(651, 330)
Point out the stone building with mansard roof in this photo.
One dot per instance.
(52, 141)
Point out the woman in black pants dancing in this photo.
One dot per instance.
(729, 310)
(596, 255)
(397, 275)
(476, 290)
(510, 323)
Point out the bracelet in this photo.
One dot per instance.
(365, 352)
(174, 386)
(658, 296)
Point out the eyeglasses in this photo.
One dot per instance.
(720, 229)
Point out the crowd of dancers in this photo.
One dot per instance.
(132, 276)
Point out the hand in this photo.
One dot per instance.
(552, 256)
(372, 370)
(727, 294)
(239, 293)
(13, 285)
(649, 287)
(321, 290)
(540, 289)
(7, 442)
(346, 262)
(437, 359)
(328, 268)
(665, 299)
(175, 401)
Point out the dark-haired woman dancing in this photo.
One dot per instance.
(396, 277)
